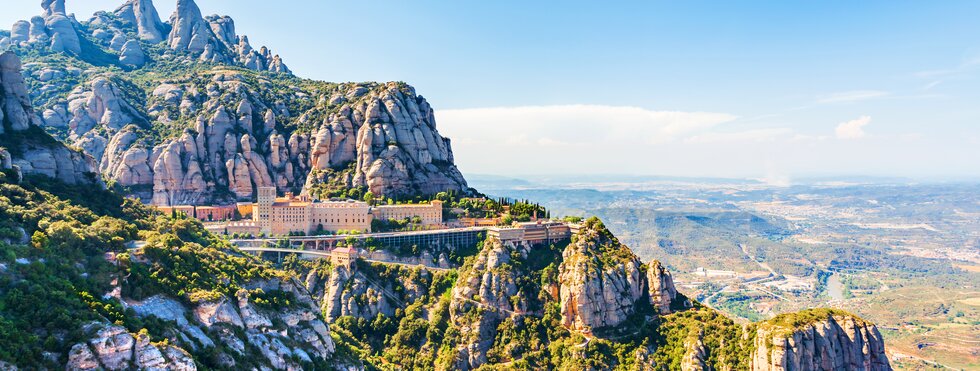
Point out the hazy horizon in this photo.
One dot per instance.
(772, 91)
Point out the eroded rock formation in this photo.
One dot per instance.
(482, 299)
(819, 339)
(144, 16)
(34, 151)
(662, 292)
(600, 280)
(113, 348)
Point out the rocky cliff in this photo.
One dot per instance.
(113, 348)
(53, 29)
(819, 339)
(485, 294)
(663, 295)
(28, 148)
(194, 131)
(601, 280)
(230, 329)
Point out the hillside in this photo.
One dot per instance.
(188, 112)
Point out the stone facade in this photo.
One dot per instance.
(430, 213)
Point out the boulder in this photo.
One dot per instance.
(132, 54)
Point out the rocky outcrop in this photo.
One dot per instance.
(16, 113)
(189, 30)
(131, 54)
(213, 39)
(695, 356)
(113, 348)
(600, 280)
(144, 16)
(53, 28)
(661, 283)
(347, 292)
(34, 151)
(397, 149)
(819, 339)
(282, 336)
(485, 289)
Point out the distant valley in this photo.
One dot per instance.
(902, 254)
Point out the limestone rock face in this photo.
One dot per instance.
(834, 341)
(661, 283)
(113, 346)
(144, 16)
(16, 113)
(600, 280)
(115, 349)
(52, 7)
(53, 28)
(132, 54)
(64, 38)
(221, 311)
(397, 149)
(241, 325)
(486, 289)
(213, 39)
(695, 356)
(20, 32)
(37, 153)
(228, 134)
(100, 105)
(347, 293)
(190, 32)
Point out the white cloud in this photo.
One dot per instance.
(853, 129)
(575, 124)
(757, 135)
(851, 96)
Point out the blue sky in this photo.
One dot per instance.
(771, 90)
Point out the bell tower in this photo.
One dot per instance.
(263, 209)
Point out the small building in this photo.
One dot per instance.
(506, 234)
(544, 231)
(245, 227)
(343, 256)
(531, 232)
(478, 222)
(215, 213)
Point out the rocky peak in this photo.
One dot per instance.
(53, 28)
(16, 113)
(819, 339)
(214, 39)
(600, 280)
(52, 7)
(189, 29)
(661, 283)
(144, 16)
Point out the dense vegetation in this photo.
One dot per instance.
(63, 247)
(52, 269)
